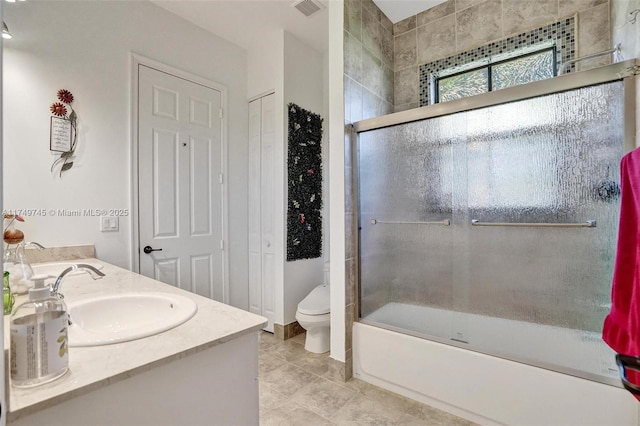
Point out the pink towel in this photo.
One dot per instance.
(622, 326)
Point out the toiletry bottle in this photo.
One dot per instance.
(39, 350)
(14, 257)
(15, 261)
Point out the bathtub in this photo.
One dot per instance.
(514, 244)
(488, 389)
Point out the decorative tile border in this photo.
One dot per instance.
(562, 32)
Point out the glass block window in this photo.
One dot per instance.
(463, 84)
(534, 67)
(561, 36)
(493, 74)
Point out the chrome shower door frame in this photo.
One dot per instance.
(625, 71)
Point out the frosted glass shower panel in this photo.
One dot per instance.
(405, 184)
(547, 160)
(499, 279)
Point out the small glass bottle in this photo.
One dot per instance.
(14, 257)
(39, 346)
(16, 263)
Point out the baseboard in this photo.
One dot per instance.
(285, 332)
(339, 371)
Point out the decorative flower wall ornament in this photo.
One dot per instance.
(65, 96)
(59, 109)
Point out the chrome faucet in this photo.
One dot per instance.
(34, 244)
(95, 274)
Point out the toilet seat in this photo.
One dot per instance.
(313, 319)
(317, 302)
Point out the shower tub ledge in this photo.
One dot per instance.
(482, 388)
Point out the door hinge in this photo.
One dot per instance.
(221, 244)
(221, 113)
(221, 178)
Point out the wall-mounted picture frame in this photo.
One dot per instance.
(60, 134)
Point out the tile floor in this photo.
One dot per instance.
(295, 390)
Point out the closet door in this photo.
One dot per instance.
(261, 208)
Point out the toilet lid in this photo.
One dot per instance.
(316, 303)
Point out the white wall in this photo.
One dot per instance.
(265, 64)
(279, 62)
(337, 181)
(303, 85)
(326, 223)
(624, 32)
(85, 47)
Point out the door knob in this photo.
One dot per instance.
(149, 249)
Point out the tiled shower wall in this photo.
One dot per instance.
(368, 61)
(382, 61)
(368, 92)
(460, 25)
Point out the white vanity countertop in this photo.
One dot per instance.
(93, 367)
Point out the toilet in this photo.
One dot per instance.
(313, 315)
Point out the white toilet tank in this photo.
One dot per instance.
(317, 302)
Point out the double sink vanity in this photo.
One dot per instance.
(144, 353)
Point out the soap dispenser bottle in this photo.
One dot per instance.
(39, 350)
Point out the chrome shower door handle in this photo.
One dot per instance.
(586, 224)
(445, 222)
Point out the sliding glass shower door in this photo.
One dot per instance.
(495, 228)
(405, 175)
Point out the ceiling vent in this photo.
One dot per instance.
(308, 7)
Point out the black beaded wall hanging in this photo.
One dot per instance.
(304, 218)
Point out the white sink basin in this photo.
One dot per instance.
(119, 318)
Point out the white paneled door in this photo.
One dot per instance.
(262, 164)
(180, 183)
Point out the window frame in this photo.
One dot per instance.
(488, 63)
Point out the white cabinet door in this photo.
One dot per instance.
(180, 183)
(262, 166)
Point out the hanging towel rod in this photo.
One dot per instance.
(566, 65)
(587, 224)
(445, 222)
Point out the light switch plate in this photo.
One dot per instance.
(109, 223)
